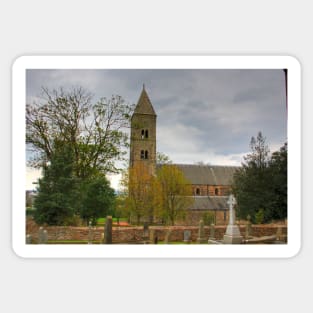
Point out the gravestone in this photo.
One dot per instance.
(279, 233)
(28, 239)
(108, 230)
(167, 236)
(151, 235)
(201, 235)
(45, 236)
(248, 228)
(90, 234)
(145, 230)
(212, 232)
(187, 236)
(232, 235)
(42, 236)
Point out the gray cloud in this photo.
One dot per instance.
(203, 115)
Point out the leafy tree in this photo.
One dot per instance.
(140, 191)
(279, 171)
(162, 158)
(176, 192)
(58, 193)
(98, 199)
(96, 132)
(260, 186)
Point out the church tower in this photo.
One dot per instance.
(143, 134)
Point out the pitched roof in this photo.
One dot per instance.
(144, 105)
(210, 203)
(208, 174)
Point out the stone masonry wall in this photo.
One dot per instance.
(133, 234)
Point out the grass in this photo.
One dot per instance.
(101, 221)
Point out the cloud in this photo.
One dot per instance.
(202, 115)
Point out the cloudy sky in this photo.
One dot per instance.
(202, 115)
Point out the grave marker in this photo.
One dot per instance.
(42, 236)
(108, 230)
(167, 236)
(232, 235)
(201, 237)
(187, 236)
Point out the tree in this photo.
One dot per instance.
(98, 199)
(176, 192)
(96, 132)
(162, 158)
(279, 185)
(260, 186)
(58, 193)
(139, 182)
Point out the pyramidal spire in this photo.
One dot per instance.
(144, 105)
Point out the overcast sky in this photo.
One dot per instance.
(202, 115)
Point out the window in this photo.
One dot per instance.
(146, 133)
(216, 191)
(198, 191)
(142, 133)
(142, 154)
(224, 215)
(146, 154)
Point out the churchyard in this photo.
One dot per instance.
(112, 232)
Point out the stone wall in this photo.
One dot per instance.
(133, 234)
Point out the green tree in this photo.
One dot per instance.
(139, 183)
(162, 158)
(175, 191)
(98, 199)
(260, 186)
(96, 132)
(279, 184)
(58, 195)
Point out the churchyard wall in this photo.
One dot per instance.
(133, 234)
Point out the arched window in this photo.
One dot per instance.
(146, 154)
(146, 133)
(142, 154)
(198, 191)
(216, 191)
(142, 134)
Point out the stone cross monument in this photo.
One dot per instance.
(232, 235)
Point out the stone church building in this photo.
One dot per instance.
(210, 184)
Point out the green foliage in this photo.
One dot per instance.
(259, 216)
(97, 200)
(58, 191)
(76, 143)
(162, 158)
(208, 218)
(30, 211)
(96, 132)
(175, 192)
(262, 183)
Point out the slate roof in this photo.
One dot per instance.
(144, 105)
(210, 203)
(208, 174)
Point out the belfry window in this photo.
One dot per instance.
(144, 133)
(142, 154)
(216, 191)
(198, 191)
(146, 154)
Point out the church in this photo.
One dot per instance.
(210, 184)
